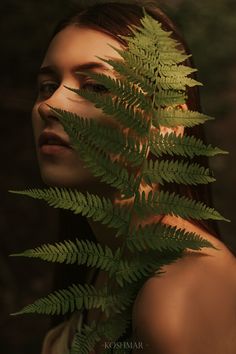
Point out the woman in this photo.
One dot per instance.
(191, 307)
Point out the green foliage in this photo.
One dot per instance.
(90, 205)
(173, 117)
(212, 45)
(79, 252)
(175, 171)
(173, 204)
(163, 237)
(78, 297)
(187, 146)
(150, 84)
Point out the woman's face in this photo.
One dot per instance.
(73, 49)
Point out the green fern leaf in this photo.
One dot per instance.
(175, 171)
(187, 146)
(78, 297)
(170, 203)
(90, 205)
(164, 237)
(80, 252)
(175, 117)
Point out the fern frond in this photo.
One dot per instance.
(113, 106)
(62, 301)
(80, 252)
(164, 237)
(187, 146)
(171, 203)
(175, 171)
(173, 117)
(90, 205)
(78, 297)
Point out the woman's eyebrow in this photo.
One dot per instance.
(90, 66)
(51, 70)
(47, 70)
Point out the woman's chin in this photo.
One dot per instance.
(64, 180)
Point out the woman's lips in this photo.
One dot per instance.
(50, 143)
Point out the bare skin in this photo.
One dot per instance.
(191, 308)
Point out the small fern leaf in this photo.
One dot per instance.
(78, 297)
(187, 146)
(171, 203)
(175, 171)
(175, 117)
(99, 209)
(80, 252)
(62, 301)
(162, 237)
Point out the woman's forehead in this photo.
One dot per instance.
(74, 45)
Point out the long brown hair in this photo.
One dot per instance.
(114, 19)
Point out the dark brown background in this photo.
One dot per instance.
(25, 28)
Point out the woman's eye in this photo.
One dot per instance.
(93, 86)
(46, 89)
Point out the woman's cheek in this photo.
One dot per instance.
(36, 121)
(87, 110)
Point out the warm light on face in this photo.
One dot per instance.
(73, 49)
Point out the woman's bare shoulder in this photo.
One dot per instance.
(192, 302)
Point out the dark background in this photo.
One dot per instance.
(209, 28)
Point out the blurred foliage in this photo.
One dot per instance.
(209, 27)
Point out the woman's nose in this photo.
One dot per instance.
(56, 99)
(46, 113)
(63, 99)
